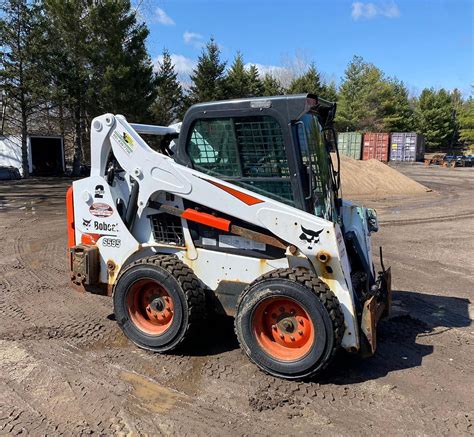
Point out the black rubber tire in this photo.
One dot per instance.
(321, 306)
(184, 288)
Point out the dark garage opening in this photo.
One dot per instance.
(46, 156)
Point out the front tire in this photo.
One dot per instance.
(158, 303)
(289, 323)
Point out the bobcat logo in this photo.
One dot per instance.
(86, 223)
(311, 237)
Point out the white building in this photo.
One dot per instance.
(45, 154)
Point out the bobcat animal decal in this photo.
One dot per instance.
(311, 237)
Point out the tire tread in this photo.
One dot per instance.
(194, 293)
(320, 289)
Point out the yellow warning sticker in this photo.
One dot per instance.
(125, 141)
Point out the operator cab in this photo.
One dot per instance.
(275, 146)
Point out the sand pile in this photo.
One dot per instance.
(374, 178)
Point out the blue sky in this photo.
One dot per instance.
(423, 42)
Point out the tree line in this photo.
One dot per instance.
(65, 62)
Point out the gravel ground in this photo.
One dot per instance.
(66, 368)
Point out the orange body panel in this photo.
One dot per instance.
(206, 219)
(90, 239)
(246, 198)
(71, 234)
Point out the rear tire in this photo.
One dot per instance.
(289, 323)
(158, 302)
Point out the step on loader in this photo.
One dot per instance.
(237, 209)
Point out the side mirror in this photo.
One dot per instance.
(372, 221)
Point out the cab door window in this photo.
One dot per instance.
(246, 151)
(212, 147)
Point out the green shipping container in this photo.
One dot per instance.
(350, 144)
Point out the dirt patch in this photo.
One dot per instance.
(66, 368)
(156, 397)
(375, 179)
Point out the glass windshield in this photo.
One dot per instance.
(316, 158)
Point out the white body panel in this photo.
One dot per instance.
(157, 173)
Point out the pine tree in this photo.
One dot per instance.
(122, 79)
(398, 114)
(436, 122)
(329, 91)
(21, 79)
(255, 85)
(362, 99)
(349, 106)
(466, 122)
(208, 76)
(309, 82)
(237, 81)
(66, 63)
(456, 98)
(271, 86)
(169, 101)
(97, 62)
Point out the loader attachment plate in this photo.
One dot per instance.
(375, 308)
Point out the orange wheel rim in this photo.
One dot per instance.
(283, 328)
(150, 307)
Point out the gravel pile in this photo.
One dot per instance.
(374, 178)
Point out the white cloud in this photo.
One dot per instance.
(283, 74)
(371, 10)
(391, 11)
(264, 69)
(163, 17)
(194, 39)
(182, 65)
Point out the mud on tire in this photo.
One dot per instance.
(159, 303)
(289, 323)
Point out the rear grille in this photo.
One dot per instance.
(167, 229)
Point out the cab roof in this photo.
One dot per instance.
(292, 106)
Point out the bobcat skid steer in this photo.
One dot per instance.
(239, 211)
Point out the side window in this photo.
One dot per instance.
(247, 151)
(262, 148)
(212, 147)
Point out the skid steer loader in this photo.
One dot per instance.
(239, 211)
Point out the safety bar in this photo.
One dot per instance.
(154, 130)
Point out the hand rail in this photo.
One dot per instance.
(150, 129)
